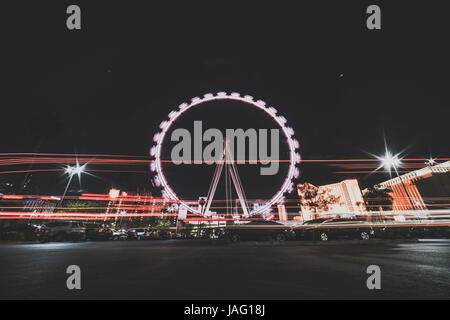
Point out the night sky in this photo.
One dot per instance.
(342, 87)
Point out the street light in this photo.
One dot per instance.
(114, 193)
(71, 171)
(430, 162)
(75, 170)
(389, 162)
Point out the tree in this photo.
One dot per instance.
(316, 199)
(378, 198)
(164, 224)
(81, 206)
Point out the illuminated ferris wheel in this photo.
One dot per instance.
(226, 161)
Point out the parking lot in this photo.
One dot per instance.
(205, 269)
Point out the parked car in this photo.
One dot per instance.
(164, 234)
(333, 229)
(440, 232)
(414, 232)
(257, 231)
(139, 234)
(20, 232)
(64, 231)
(42, 232)
(119, 235)
(103, 234)
(92, 230)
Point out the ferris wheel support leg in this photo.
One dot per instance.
(239, 192)
(213, 188)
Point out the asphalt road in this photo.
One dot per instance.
(178, 269)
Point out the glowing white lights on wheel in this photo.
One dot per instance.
(294, 156)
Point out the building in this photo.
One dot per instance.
(427, 188)
(42, 205)
(282, 214)
(124, 205)
(338, 199)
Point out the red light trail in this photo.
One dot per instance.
(354, 166)
(141, 206)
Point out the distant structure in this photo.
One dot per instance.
(124, 205)
(46, 205)
(428, 188)
(349, 202)
(282, 214)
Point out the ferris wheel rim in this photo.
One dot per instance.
(294, 156)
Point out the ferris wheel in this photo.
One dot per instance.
(226, 162)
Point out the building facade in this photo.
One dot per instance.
(347, 201)
(282, 213)
(426, 188)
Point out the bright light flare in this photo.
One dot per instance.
(114, 193)
(75, 170)
(390, 161)
(431, 162)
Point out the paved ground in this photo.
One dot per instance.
(202, 270)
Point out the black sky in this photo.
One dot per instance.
(114, 81)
